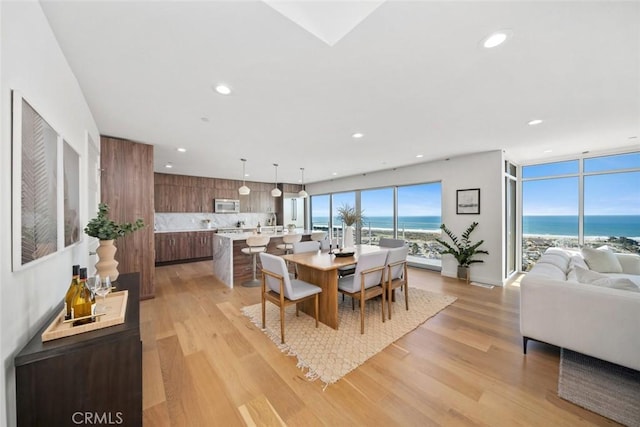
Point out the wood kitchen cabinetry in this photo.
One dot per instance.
(181, 193)
(97, 372)
(172, 247)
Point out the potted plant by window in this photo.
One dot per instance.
(462, 249)
(107, 231)
(350, 216)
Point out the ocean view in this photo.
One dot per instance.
(539, 225)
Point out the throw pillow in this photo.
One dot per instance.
(602, 260)
(589, 277)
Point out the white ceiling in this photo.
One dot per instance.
(412, 76)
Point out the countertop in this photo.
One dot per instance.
(244, 235)
(184, 230)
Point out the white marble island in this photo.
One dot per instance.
(230, 265)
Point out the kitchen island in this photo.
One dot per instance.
(230, 265)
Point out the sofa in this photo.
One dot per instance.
(584, 300)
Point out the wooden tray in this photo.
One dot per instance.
(117, 303)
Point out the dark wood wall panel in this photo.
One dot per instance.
(127, 187)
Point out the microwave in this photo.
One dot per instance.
(226, 206)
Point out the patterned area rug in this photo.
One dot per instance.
(610, 390)
(328, 354)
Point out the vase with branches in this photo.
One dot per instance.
(351, 217)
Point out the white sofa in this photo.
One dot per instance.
(594, 319)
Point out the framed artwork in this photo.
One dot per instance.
(71, 194)
(468, 201)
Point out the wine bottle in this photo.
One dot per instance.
(83, 302)
(71, 292)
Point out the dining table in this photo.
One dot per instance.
(320, 268)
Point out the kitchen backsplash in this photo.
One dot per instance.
(198, 221)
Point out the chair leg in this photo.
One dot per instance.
(383, 295)
(282, 323)
(315, 313)
(361, 315)
(263, 313)
(406, 296)
(389, 291)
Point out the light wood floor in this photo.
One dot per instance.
(205, 364)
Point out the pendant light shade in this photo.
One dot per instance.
(302, 193)
(244, 190)
(276, 191)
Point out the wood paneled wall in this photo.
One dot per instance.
(127, 187)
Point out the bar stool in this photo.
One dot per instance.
(287, 242)
(255, 245)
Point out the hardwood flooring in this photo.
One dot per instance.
(205, 364)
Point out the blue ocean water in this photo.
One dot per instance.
(594, 225)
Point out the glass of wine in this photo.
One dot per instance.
(103, 290)
(93, 284)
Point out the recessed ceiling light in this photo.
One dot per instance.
(419, 156)
(495, 39)
(534, 122)
(357, 135)
(181, 150)
(168, 166)
(547, 151)
(633, 137)
(223, 89)
(334, 173)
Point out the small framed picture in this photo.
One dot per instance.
(468, 201)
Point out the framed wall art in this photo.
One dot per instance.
(468, 201)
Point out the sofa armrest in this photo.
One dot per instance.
(600, 322)
(630, 263)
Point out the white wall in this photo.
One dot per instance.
(483, 170)
(32, 62)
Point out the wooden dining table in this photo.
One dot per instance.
(321, 269)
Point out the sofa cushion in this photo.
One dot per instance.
(630, 263)
(555, 259)
(549, 270)
(590, 277)
(602, 260)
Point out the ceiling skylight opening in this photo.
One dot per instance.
(223, 89)
(496, 39)
(357, 135)
(534, 122)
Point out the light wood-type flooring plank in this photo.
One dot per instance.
(206, 364)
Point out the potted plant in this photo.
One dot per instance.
(107, 231)
(463, 250)
(350, 216)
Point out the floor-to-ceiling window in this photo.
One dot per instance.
(377, 209)
(412, 213)
(591, 201)
(419, 219)
(510, 203)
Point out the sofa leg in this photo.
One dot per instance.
(525, 340)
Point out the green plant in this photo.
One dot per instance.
(463, 250)
(104, 228)
(349, 215)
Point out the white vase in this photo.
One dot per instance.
(107, 265)
(347, 236)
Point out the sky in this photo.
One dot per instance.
(605, 193)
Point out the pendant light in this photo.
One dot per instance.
(276, 191)
(302, 193)
(244, 190)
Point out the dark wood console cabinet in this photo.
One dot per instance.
(93, 378)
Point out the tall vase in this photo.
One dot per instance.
(347, 237)
(107, 265)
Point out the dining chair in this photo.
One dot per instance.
(366, 282)
(396, 276)
(306, 246)
(281, 290)
(387, 242)
(255, 245)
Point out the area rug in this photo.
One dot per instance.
(610, 390)
(328, 354)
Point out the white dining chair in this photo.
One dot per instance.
(283, 291)
(366, 282)
(396, 276)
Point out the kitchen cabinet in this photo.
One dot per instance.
(182, 246)
(97, 372)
